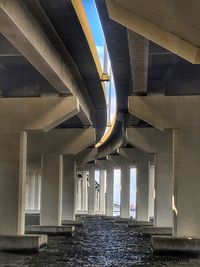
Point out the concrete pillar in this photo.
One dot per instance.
(37, 189)
(109, 191)
(91, 192)
(12, 182)
(151, 190)
(84, 191)
(142, 191)
(163, 190)
(51, 190)
(69, 189)
(186, 171)
(125, 191)
(79, 194)
(102, 191)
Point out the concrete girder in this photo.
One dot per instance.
(22, 30)
(173, 25)
(139, 55)
(36, 113)
(150, 140)
(133, 155)
(61, 141)
(167, 112)
(86, 155)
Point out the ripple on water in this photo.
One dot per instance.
(98, 243)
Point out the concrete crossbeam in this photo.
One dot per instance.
(19, 26)
(36, 113)
(61, 141)
(166, 112)
(154, 20)
(150, 140)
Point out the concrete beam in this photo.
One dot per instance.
(61, 141)
(150, 140)
(36, 113)
(166, 112)
(133, 154)
(154, 20)
(22, 30)
(86, 155)
(139, 55)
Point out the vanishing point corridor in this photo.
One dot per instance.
(97, 243)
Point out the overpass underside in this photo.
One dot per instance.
(53, 113)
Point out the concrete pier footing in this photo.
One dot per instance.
(28, 243)
(50, 230)
(148, 231)
(175, 245)
(139, 223)
(75, 223)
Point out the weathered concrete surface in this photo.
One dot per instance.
(21, 29)
(155, 21)
(49, 230)
(109, 191)
(125, 191)
(139, 223)
(13, 154)
(30, 243)
(68, 188)
(51, 190)
(166, 112)
(61, 141)
(75, 223)
(168, 245)
(36, 113)
(148, 231)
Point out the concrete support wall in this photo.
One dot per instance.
(163, 190)
(51, 190)
(151, 190)
(142, 191)
(186, 171)
(12, 182)
(109, 191)
(33, 189)
(69, 189)
(125, 192)
(102, 192)
(91, 192)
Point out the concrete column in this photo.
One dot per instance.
(12, 182)
(142, 191)
(51, 190)
(91, 192)
(163, 190)
(125, 191)
(79, 194)
(37, 189)
(186, 171)
(151, 190)
(84, 191)
(109, 191)
(102, 192)
(69, 189)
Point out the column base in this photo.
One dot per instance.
(148, 231)
(50, 230)
(76, 223)
(107, 218)
(175, 245)
(122, 220)
(22, 243)
(139, 223)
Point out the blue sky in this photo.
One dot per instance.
(98, 35)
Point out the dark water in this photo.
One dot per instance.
(97, 243)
